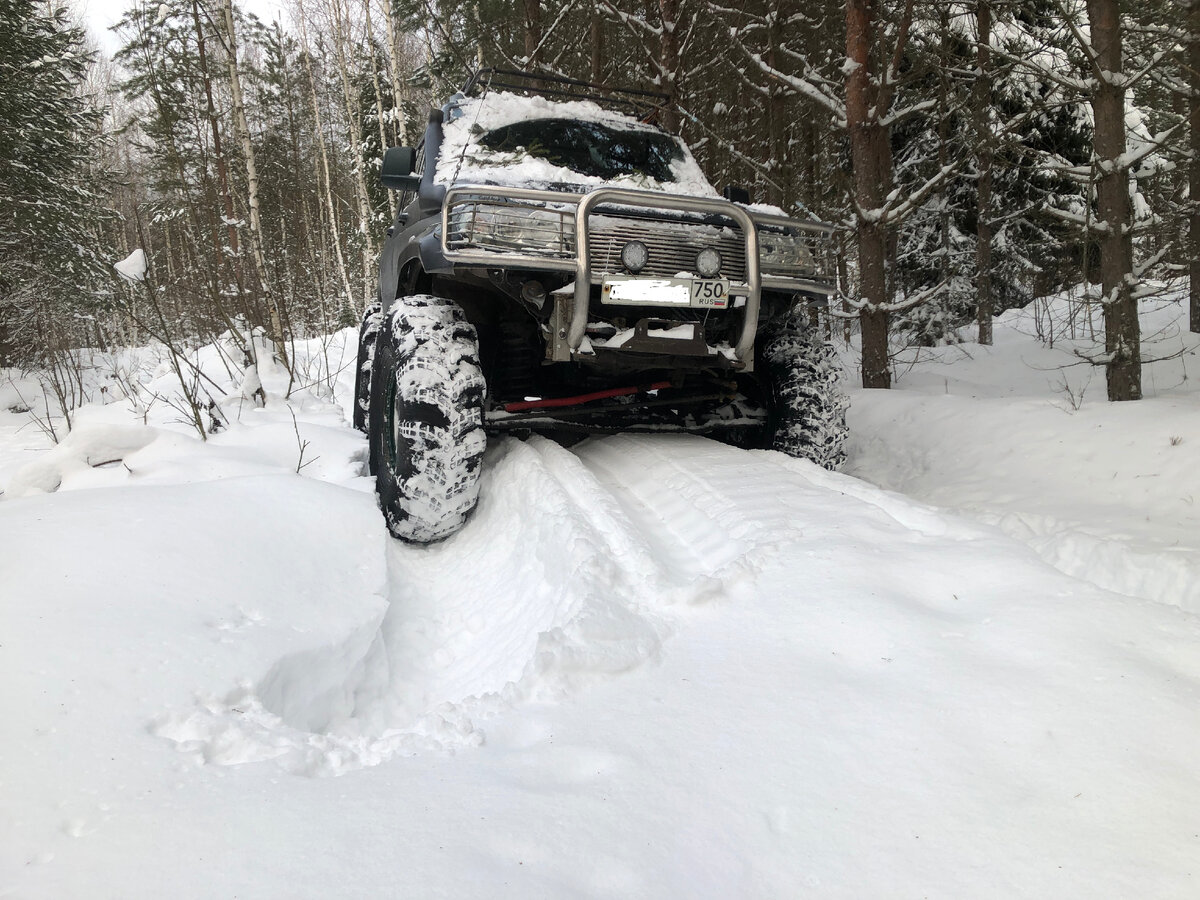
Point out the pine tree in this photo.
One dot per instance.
(985, 240)
(50, 180)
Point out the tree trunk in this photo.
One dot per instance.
(533, 31)
(398, 86)
(324, 156)
(360, 178)
(777, 163)
(1193, 79)
(383, 140)
(210, 113)
(256, 238)
(946, 268)
(669, 62)
(843, 284)
(176, 164)
(1122, 336)
(596, 42)
(984, 161)
(871, 159)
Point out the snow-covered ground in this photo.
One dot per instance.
(1020, 435)
(648, 667)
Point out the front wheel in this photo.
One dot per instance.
(426, 418)
(807, 403)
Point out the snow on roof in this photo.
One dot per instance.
(463, 160)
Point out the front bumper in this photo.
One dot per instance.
(570, 250)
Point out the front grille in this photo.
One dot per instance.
(673, 246)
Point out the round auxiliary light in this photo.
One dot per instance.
(634, 256)
(708, 262)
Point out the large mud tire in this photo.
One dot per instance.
(426, 418)
(807, 413)
(368, 334)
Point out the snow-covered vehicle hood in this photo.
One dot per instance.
(464, 158)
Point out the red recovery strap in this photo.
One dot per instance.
(520, 405)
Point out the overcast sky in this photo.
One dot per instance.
(100, 14)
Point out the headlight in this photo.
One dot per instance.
(708, 263)
(513, 228)
(779, 252)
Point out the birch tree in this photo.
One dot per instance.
(256, 232)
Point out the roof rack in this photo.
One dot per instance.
(646, 103)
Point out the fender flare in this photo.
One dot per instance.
(421, 256)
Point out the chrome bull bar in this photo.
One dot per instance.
(580, 263)
(744, 348)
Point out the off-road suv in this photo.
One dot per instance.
(559, 264)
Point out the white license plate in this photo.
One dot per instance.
(708, 293)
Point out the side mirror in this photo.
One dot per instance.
(396, 172)
(736, 194)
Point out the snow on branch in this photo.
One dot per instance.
(1150, 66)
(1129, 159)
(1084, 222)
(892, 76)
(1039, 70)
(730, 148)
(901, 211)
(635, 24)
(1081, 39)
(562, 15)
(908, 303)
(1098, 359)
(1080, 173)
(1169, 81)
(1146, 266)
(901, 114)
(801, 85)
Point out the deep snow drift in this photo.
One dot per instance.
(648, 667)
(1020, 435)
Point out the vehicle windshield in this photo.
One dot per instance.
(590, 148)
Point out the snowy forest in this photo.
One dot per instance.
(973, 156)
(949, 647)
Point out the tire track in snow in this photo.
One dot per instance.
(562, 576)
(701, 514)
